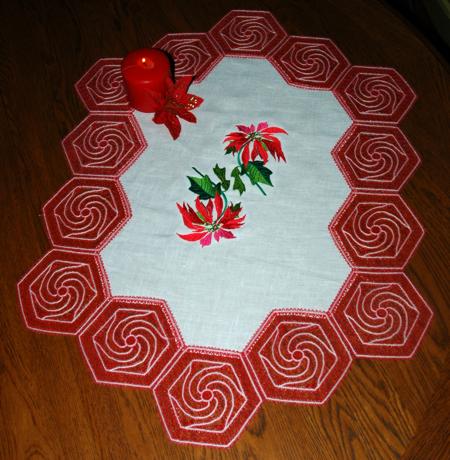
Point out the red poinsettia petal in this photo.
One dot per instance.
(187, 101)
(235, 145)
(244, 129)
(235, 137)
(261, 151)
(246, 154)
(204, 211)
(181, 86)
(226, 234)
(210, 207)
(226, 217)
(174, 127)
(188, 116)
(268, 143)
(237, 223)
(273, 130)
(262, 125)
(176, 103)
(185, 210)
(170, 121)
(229, 214)
(160, 117)
(240, 221)
(255, 152)
(233, 216)
(192, 236)
(274, 146)
(193, 101)
(206, 240)
(218, 203)
(221, 233)
(190, 218)
(231, 220)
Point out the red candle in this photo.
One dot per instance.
(145, 71)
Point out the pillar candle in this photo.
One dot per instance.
(145, 72)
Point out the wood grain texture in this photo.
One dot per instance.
(50, 406)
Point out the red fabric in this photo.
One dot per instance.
(207, 396)
(248, 34)
(62, 291)
(375, 157)
(375, 94)
(309, 62)
(376, 231)
(194, 54)
(101, 88)
(86, 213)
(130, 341)
(104, 144)
(298, 356)
(381, 315)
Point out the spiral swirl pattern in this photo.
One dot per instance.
(86, 212)
(131, 341)
(103, 144)
(375, 157)
(375, 94)
(106, 85)
(207, 396)
(382, 314)
(63, 291)
(190, 55)
(313, 63)
(298, 355)
(376, 230)
(248, 33)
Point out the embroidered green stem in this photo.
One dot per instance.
(198, 172)
(225, 205)
(242, 167)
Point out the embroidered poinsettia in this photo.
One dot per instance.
(255, 142)
(212, 219)
(176, 103)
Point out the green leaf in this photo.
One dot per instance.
(221, 174)
(229, 150)
(238, 184)
(236, 207)
(203, 187)
(258, 173)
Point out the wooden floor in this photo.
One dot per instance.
(50, 406)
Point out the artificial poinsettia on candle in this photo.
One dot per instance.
(176, 103)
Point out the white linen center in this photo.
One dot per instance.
(283, 256)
